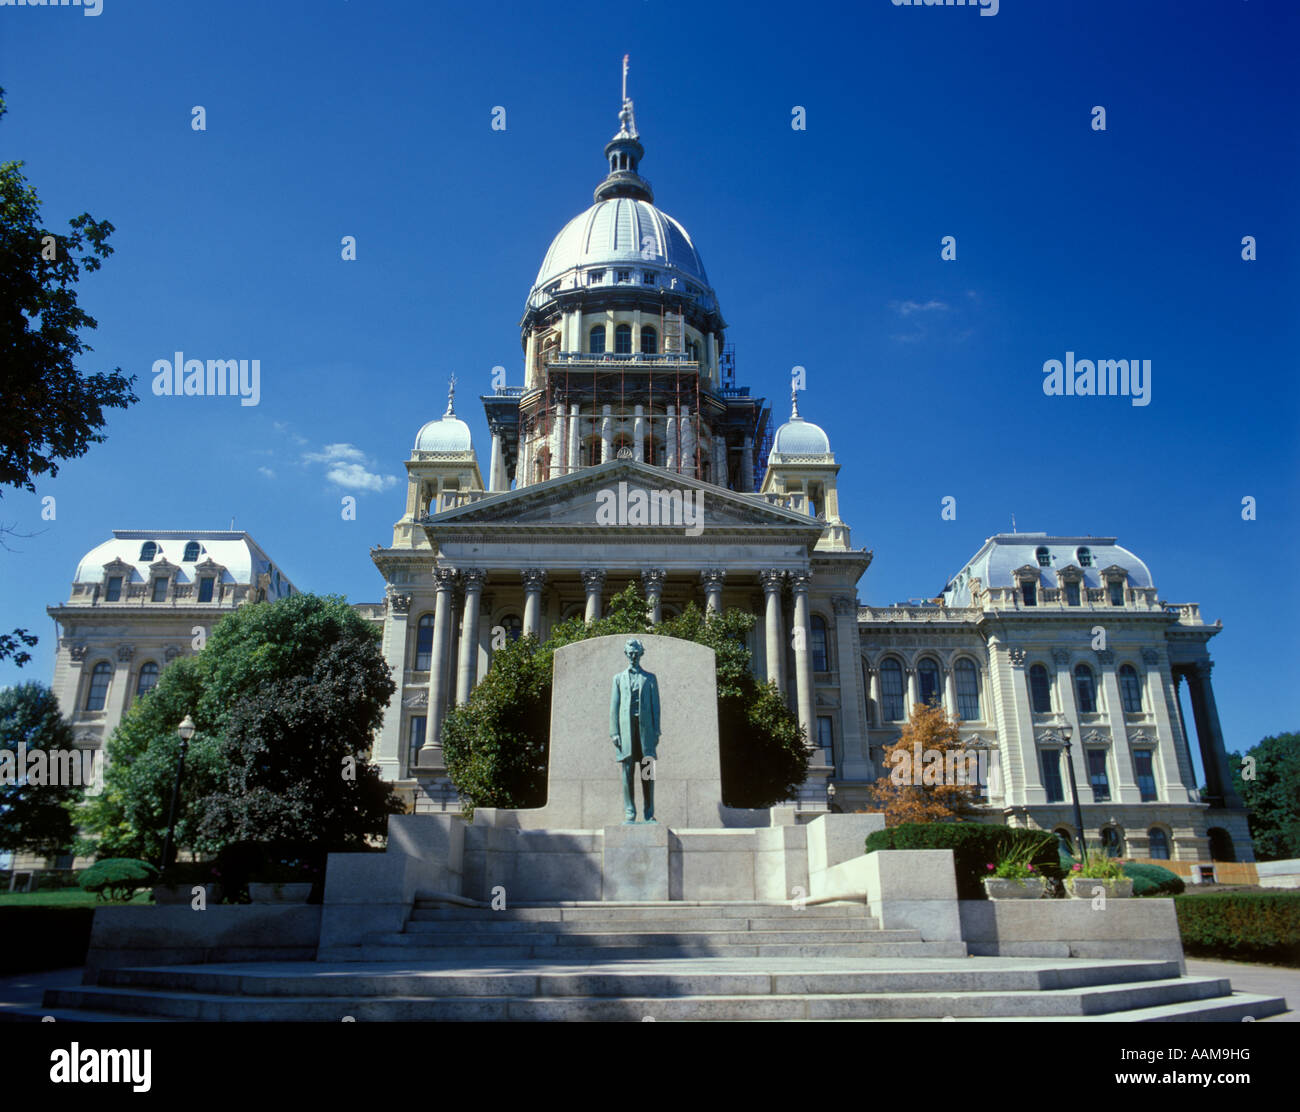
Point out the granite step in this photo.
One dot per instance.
(1063, 1003)
(599, 937)
(370, 952)
(589, 926)
(430, 910)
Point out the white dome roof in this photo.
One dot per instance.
(798, 437)
(622, 231)
(447, 434)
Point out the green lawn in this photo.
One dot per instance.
(63, 897)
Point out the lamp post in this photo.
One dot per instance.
(830, 798)
(1066, 733)
(186, 731)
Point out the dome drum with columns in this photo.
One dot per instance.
(628, 380)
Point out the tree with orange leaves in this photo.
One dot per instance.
(930, 775)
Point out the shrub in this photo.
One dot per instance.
(1153, 880)
(974, 846)
(117, 878)
(1248, 926)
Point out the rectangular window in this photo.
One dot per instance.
(160, 589)
(1072, 594)
(1097, 775)
(595, 277)
(968, 691)
(891, 692)
(624, 276)
(1051, 761)
(415, 736)
(205, 588)
(825, 736)
(1116, 593)
(648, 277)
(1146, 776)
(1029, 592)
(113, 590)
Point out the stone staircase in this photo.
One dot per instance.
(645, 931)
(719, 961)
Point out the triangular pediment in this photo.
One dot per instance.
(624, 494)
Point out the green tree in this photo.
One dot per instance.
(1271, 795)
(285, 698)
(51, 412)
(33, 816)
(497, 744)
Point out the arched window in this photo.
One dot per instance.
(649, 341)
(821, 658)
(597, 340)
(1044, 557)
(1085, 557)
(591, 448)
(623, 339)
(148, 551)
(1085, 689)
(148, 678)
(1040, 690)
(968, 690)
(927, 673)
(1130, 689)
(424, 643)
(1112, 841)
(1158, 842)
(513, 625)
(191, 552)
(97, 694)
(891, 690)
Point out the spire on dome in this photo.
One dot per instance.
(794, 404)
(451, 397)
(623, 153)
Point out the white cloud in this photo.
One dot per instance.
(336, 453)
(353, 476)
(266, 471)
(907, 308)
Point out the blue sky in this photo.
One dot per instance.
(337, 118)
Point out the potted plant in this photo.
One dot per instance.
(178, 881)
(1013, 877)
(280, 882)
(1098, 871)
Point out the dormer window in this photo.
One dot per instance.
(191, 552)
(1116, 592)
(1072, 593)
(1044, 557)
(1085, 557)
(113, 589)
(1029, 592)
(206, 585)
(148, 551)
(160, 588)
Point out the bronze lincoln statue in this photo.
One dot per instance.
(634, 729)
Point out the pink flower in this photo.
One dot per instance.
(1031, 868)
(990, 866)
(1076, 868)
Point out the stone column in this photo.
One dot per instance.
(1193, 788)
(1214, 756)
(720, 459)
(747, 466)
(670, 440)
(771, 578)
(497, 466)
(575, 439)
(445, 582)
(911, 690)
(119, 692)
(875, 714)
(534, 581)
(606, 434)
(472, 578)
(853, 733)
(1173, 765)
(950, 688)
(593, 581)
(712, 579)
(638, 433)
(1070, 712)
(653, 581)
(687, 466)
(803, 676)
(1126, 789)
(396, 629)
(559, 443)
(1022, 773)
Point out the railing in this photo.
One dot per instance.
(664, 359)
(919, 613)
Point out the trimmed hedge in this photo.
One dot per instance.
(1248, 926)
(973, 845)
(1153, 880)
(118, 878)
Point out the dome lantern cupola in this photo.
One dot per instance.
(624, 153)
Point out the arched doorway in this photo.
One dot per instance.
(1221, 845)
